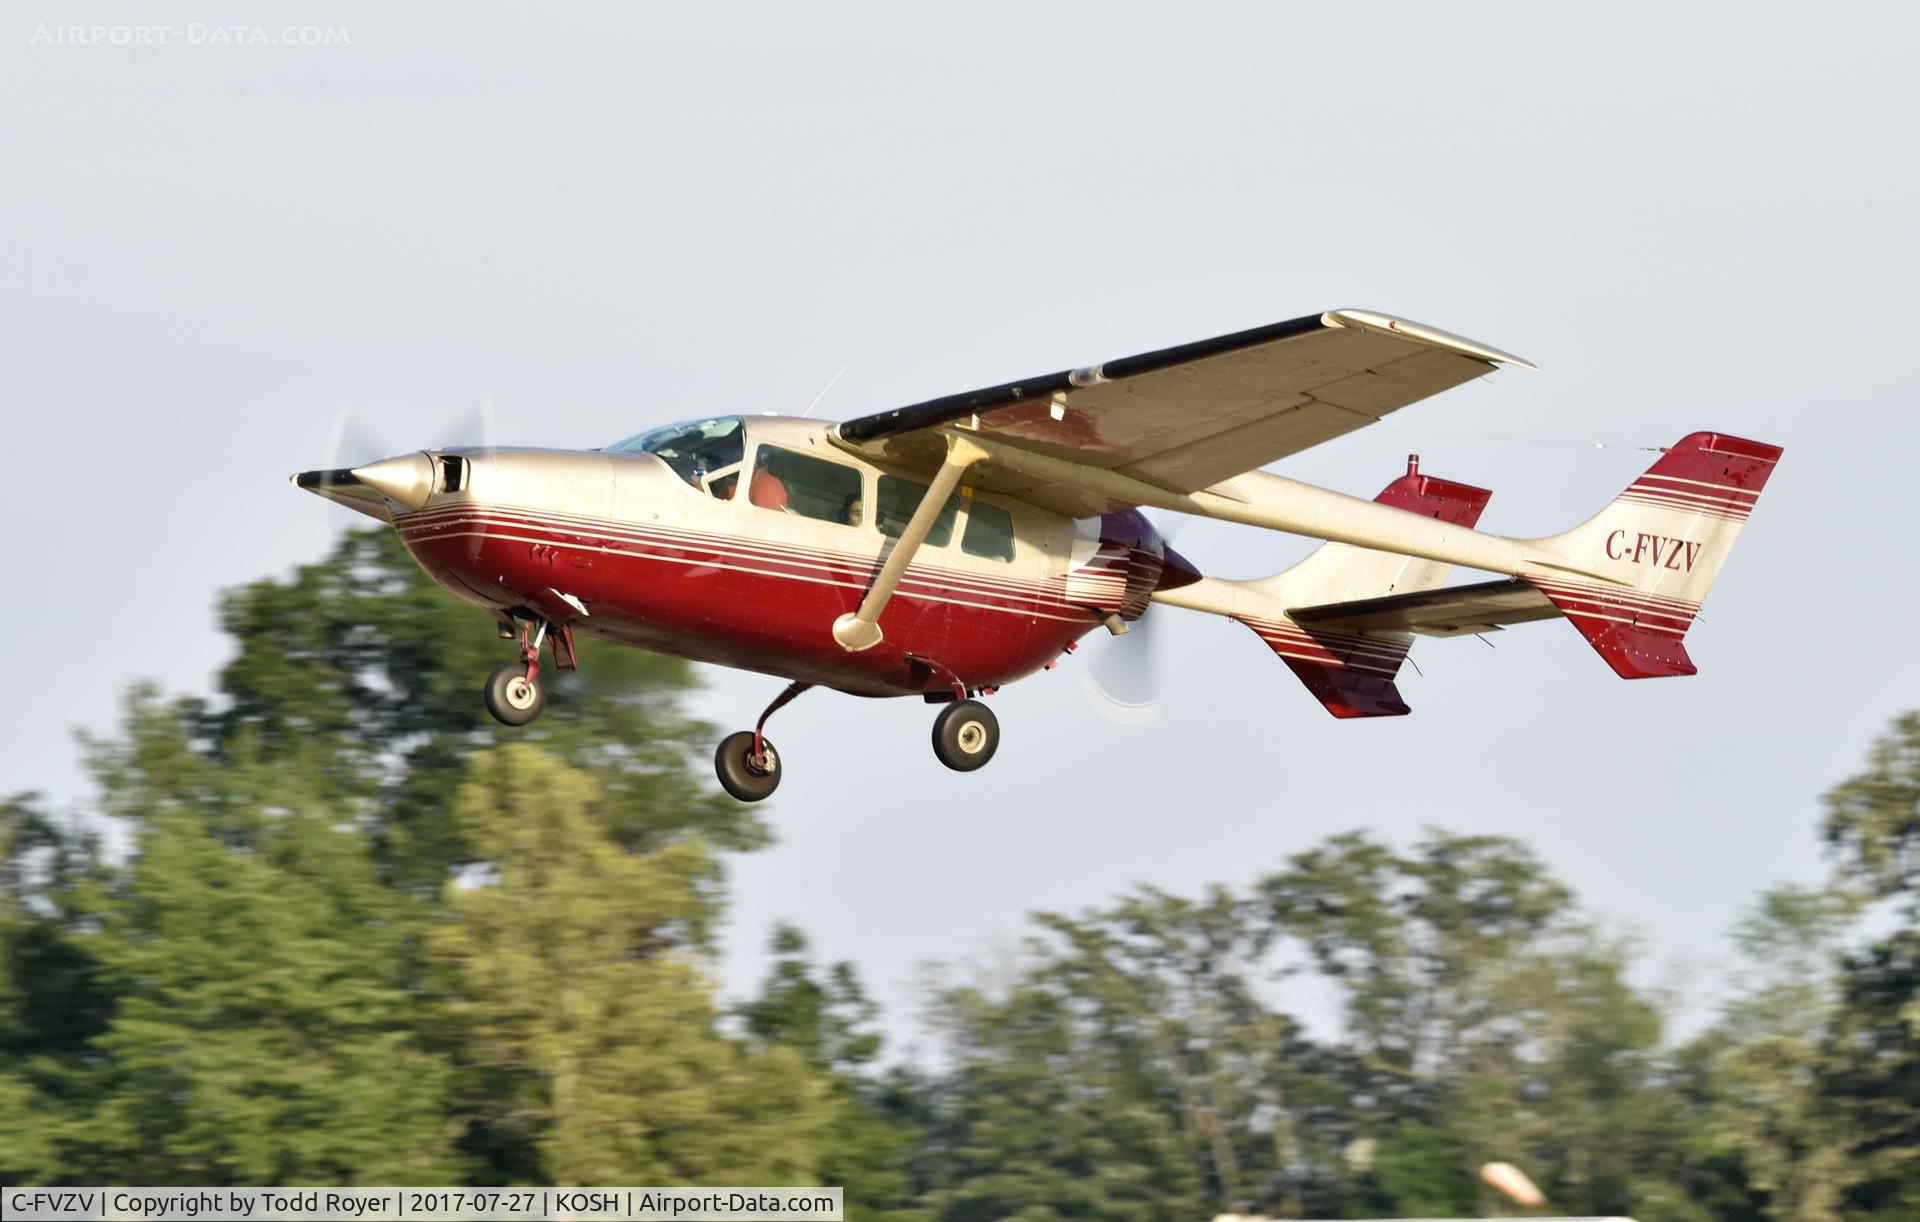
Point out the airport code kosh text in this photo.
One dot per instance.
(653, 1204)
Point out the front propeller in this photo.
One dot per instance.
(407, 481)
(364, 471)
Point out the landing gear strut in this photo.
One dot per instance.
(514, 693)
(746, 763)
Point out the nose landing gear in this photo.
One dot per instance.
(515, 694)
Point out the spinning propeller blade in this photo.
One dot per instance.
(1122, 678)
(352, 446)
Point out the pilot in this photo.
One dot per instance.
(703, 467)
(850, 512)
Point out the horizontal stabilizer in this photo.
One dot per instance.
(1458, 610)
(1632, 578)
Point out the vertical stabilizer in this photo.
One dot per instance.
(1661, 542)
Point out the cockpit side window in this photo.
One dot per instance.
(787, 481)
(989, 532)
(899, 498)
(699, 451)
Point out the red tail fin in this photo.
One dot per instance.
(1662, 541)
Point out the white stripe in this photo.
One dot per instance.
(860, 566)
(1722, 488)
(731, 568)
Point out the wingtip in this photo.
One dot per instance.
(1373, 320)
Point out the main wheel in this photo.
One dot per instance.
(965, 735)
(740, 774)
(512, 698)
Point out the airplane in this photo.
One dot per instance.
(948, 548)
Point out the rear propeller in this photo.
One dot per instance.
(1122, 678)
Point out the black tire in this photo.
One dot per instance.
(512, 698)
(965, 735)
(739, 775)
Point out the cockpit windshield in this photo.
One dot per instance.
(694, 448)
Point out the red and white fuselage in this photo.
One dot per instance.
(620, 546)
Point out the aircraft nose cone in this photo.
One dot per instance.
(407, 481)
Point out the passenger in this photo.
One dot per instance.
(767, 491)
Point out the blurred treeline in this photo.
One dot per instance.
(339, 934)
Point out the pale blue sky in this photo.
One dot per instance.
(1689, 216)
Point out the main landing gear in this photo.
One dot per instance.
(747, 764)
(515, 694)
(965, 736)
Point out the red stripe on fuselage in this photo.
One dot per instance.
(752, 604)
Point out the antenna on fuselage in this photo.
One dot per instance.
(822, 394)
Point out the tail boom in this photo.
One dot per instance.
(1351, 673)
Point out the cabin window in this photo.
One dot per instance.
(787, 481)
(695, 450)
(989, 532)
(898, 498)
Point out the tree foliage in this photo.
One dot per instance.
(328, 925)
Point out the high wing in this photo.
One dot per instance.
(1189, 417)
(1455, 611)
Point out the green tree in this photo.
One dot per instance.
(1759, 1068)
(828, 1019)
(1872, 1078)
(572, 986)
(1041, 1120)
(1175, 989)
(247, 993)
(257, 1020)
(369, 668)
(52, 998)
(1486, 1021)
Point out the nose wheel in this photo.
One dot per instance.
(965, 735)
(515, 695)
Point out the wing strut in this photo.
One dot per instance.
(858, 630)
